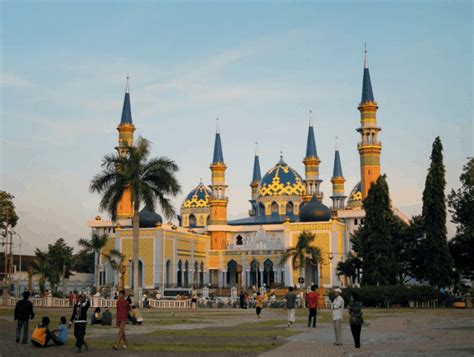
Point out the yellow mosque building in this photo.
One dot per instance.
(208, 249)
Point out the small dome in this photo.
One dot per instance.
(198, 197)
(149, 219)
(281, 180)
(355, 197)
(314, 211)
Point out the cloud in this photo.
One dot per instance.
(14, 80)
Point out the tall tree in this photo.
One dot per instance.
(303, 253)
(149, 180)
(7, 209)
(42, 268)
(96, 245)
(461, 204)
(437, 266)
(375, 245)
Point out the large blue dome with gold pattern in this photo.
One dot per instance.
(198, 197)
(355, 198)
(281, 180)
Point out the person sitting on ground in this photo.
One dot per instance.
(61, 332)
(96, 318)
(107, 317)
(146, 303)
(42, 336)
(135, 316)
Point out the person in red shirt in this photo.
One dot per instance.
(123, 307)
(312, 299)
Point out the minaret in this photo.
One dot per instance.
(256, 177)
(311, 164)
(218, 200)
(338, 198)
(369, 147)
(125, 140)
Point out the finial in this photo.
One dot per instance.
(336, 145)
(281, 154)
(310, 118)
(366, 61)
(217, 126)
(256, 148)
(126, 84)
(200, 180)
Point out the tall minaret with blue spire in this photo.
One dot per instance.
(256, 177)
(218, 201)
(338, 198)
(311, 164)
(125, 140)
(369, 147)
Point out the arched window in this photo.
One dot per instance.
(261, 209)
(180, 274)
(274, 208)
(192, 221)
(207, 220)
(289, 208)
(168, 273)
(196, 282)
(254, 272)
(238, 240)
(186, 274)
(201, 275)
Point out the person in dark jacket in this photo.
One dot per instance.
(79, 318)
(23, 313)
(356, 320)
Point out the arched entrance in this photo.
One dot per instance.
(268, 274)
(180, 274)
(254, 272)
(140, 274)
(232, 273)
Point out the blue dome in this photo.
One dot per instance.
(355, 197)
(281, 180)
(315, 211)
(149, 219)
(198, 197)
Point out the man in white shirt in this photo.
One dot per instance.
(337, 311)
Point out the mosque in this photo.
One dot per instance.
(207, 249)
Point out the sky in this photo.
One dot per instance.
(258, 66)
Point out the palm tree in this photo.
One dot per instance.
(350, 267)
(148, 180)
(95, 245)
(42, 268)
(303, 252)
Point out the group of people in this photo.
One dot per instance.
(337, 307)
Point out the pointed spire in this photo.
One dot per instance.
(337, 170)
(367, 94)
(126, 110)
(311, 143)
(218, 156)
(256, 177)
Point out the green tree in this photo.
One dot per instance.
(95, 245)
(7, 209)
(350, 267)
(414, 258)
(375, 242)
(437, 266)
(303, 253)
(42, 268)
(461, 204)
(149, 180)
(59, 256)
(83, 262)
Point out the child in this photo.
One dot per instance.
(62, 332)
(42, 335)
(96, 318)
(258, 304)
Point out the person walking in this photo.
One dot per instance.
(312, 299)
(291, 306)
(356, 318)
(123, 308)
(23, 313)
(337, 307)
(258, 304)
(79, 318)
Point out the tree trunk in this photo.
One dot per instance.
(136, 226)
(97, 256)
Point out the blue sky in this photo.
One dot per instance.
(258, 66)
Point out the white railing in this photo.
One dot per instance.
(170, 304)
